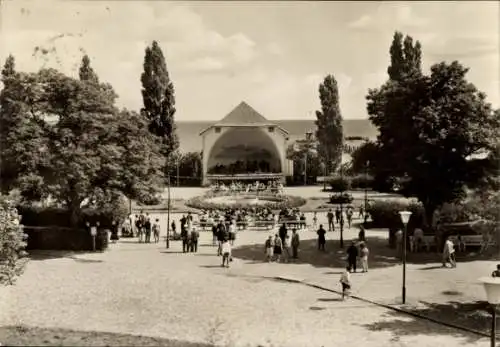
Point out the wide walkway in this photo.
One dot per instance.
(148, 290)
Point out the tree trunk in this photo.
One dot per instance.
(75, 212)
(429, 210)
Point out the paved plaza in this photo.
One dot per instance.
(145, 289)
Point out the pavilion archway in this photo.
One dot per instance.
(244, 150)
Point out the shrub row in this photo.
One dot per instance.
(385, 214)
(201, 203)
(58, 233)
(61, 238)
(344, 183)
(54, 216)
(342, 198)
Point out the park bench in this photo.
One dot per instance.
(268, 224)
(242, 225)
(204, 225)
(298, 224)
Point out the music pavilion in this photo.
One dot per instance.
(245, 145)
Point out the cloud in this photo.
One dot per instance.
(396, 15)
(206, 64)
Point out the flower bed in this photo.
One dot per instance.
(265, 201)
(343, 198)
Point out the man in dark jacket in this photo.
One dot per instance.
(321, 238)
(184, 237)
(352, 255)
(194, 240)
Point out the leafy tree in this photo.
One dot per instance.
(86, 72)
(297, 153)
(21, 134)
(365, 157)
(406, 57)
(93, 153)
(12, 243)
(429, 128)
(329, 124)
(158, 99)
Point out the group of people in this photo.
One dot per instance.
(272, 186)
(338, 216)
(145, 227)
(275, 247)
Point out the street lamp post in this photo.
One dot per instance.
(366, 190)
(405, 217)
(168, 211)
(492, 289)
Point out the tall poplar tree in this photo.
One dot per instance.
(158, 99)
(406, 57)
(329, 132)
(86, 72)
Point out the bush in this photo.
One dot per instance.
(12, 243)
(457, 213)
(385, 214)
(58, 233)
(63, 238)
(275, 203)
(339, 184)
(55, 216)
(342, 198)
(362, 182)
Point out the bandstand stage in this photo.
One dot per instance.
(244, 145)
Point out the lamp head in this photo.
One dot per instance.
(405, 216)
(492, 289)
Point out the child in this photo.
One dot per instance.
(315, 220)
(226, 253)
(345, 280)
(269, 249)
(156, 230)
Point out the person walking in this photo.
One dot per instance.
(174, 229)
(321, 238)
(147, 229)
(364, 257)
(338, 213)
(352, 255)
(315, 219)
(184, 238)
(449, 253)
(295, 244)
(220, 237)
(139, 225)
(226, 253)
(232, 232)
(329, 216)
(349, 214)
(361, 234)
(278, 247)
(214, 234)
(156, 230)
(345, 281)
(195, 235)
(269, 249)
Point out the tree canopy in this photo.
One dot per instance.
(430, 127)
(91, 152)
(329, 130)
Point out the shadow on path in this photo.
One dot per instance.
(471, 315)
(34, 336)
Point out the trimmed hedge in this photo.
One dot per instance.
(345, 183)
(277, 203)
(342, 198)
(58, 233)
(61, 238)
(339, 184)
(54, 216)
(385, 214)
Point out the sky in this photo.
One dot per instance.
(273, 55)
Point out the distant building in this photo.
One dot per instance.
(246, 145)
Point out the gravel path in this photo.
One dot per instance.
(143, 289)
